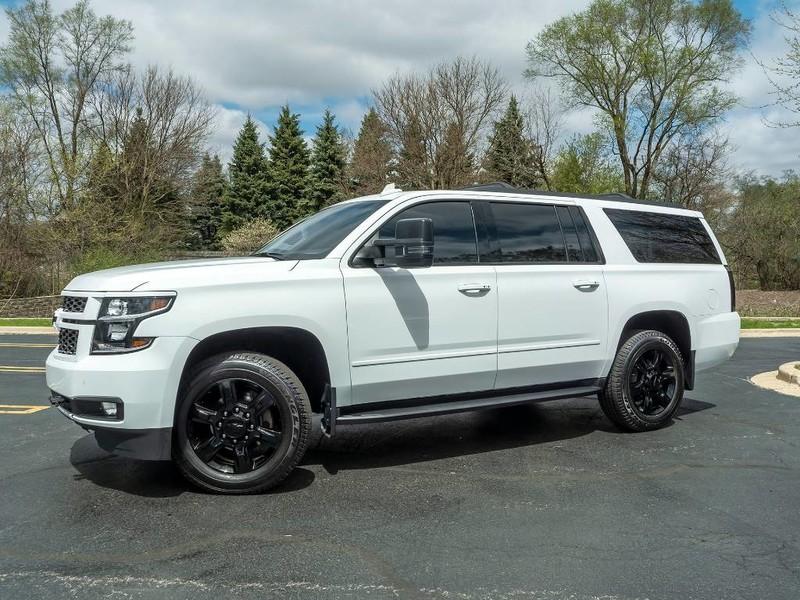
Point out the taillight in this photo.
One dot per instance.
(733, 288)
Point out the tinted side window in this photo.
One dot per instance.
(528, 233)
(585, 238)
(574, 253)
(664, 238)
(453, 231)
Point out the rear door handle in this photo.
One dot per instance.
(474, 288)
(586, 284)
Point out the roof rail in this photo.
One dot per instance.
(503, 186)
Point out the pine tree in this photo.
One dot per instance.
(372, 156)
(247, 194)
(510, 154)
(205, 206)
(327, 165)
(288, 167)
(412, 161)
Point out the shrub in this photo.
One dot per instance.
(250, 237)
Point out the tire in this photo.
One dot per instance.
(242, 424)
(645, 385)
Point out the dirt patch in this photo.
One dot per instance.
(755, 303)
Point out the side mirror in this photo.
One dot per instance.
(412, 243)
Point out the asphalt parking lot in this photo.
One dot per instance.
(540, 502)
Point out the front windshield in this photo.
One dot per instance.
(320, 233)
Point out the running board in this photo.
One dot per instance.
(378, 415)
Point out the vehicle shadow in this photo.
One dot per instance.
(374, 446)
(427, 439)
(150, 479)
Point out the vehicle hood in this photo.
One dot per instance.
(174, 275)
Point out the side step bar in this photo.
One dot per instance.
(332, 416)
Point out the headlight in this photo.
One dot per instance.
(118, 319)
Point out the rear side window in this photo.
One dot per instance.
(455, 242)
(528, 233)
(664, 238)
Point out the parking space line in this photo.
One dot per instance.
(25, 345)
(20, 369)
(21, 409)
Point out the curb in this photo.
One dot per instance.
(783, 332)
(788, 373)
(28, 331)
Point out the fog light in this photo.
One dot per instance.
(109, 409)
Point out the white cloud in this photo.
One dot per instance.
(228, 123)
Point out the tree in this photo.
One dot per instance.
(328, 161)
(288, 167)
(247, 193)
(249, 237)
(654, 68)
(454, 104)
(369, 168)
(205, 206)
(784, 73)
(510, 155)
(760, 232)
(52, 65)
(694, 174)
(583, 167)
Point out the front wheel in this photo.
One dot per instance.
(242, 425)
(645, 385)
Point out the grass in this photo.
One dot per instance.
(25, 322)
(770, 324)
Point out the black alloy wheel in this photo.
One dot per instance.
(242, 424)
(235, 425)
(645, 385)
(651, 381)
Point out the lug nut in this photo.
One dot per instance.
(225, 413)
(247, 416)
(236, 409)
(252, 426)
(223, 436)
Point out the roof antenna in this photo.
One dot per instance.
(390, 189)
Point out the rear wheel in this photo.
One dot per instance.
(645, 385)
(242, 425)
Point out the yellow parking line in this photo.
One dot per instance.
(20, 369)
(25, 345)
(21, 409)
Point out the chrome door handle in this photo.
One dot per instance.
(474, 288)
(586, 284)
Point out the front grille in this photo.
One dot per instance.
(67, 341)
(73, 304)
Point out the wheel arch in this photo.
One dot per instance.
(671, 322)
(299, 349)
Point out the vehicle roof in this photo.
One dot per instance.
(499, 190)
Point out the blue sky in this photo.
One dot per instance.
(252, 56)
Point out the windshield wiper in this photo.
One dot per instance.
(275, 255)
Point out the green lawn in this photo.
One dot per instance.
(25, 322)
(769, 324)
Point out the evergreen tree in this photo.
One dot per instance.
(510, 154)
(327, 165)
(372, 156)
(247, 194)
(412, 160)
(288, 167)
(205, 206)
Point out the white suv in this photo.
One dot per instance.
(403, 304)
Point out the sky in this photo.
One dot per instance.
(252, 56)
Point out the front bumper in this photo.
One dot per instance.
(145, 382)
(141, 444)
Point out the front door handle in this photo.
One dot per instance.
(586, 284)
(474, 288)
